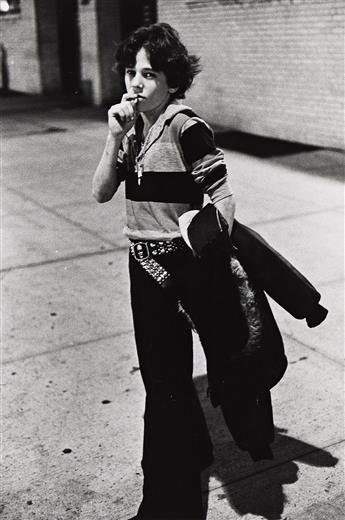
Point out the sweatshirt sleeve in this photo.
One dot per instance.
(206, 162)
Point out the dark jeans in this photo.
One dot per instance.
(176, 440)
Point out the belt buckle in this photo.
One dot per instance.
(141, 251)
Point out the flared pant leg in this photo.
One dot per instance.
(176, 440)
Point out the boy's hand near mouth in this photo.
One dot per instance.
(122, 116)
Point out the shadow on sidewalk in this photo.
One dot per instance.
(325, 162)
(262, 491)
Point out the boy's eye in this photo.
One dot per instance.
(149, 75)
(146, 74)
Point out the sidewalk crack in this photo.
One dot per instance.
(62, 259)
(60, 215)
(67, 347)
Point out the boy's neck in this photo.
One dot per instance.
(149, 118)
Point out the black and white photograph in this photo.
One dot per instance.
(172, 259)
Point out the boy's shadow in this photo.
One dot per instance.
(256, 488)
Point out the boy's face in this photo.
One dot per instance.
(150, 86)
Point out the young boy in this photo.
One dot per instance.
(167, 157)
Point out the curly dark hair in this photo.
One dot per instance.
(166, 53)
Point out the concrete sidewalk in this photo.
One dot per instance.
(73, 397)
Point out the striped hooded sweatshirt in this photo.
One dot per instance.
(169, 173)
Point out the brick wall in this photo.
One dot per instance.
(19, 38)
(271, 67)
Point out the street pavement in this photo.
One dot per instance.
(73, 399)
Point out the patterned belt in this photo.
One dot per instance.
(144, 252)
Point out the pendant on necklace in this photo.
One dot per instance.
(139, 170)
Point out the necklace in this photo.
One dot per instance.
(139, 159)
(139, 162)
